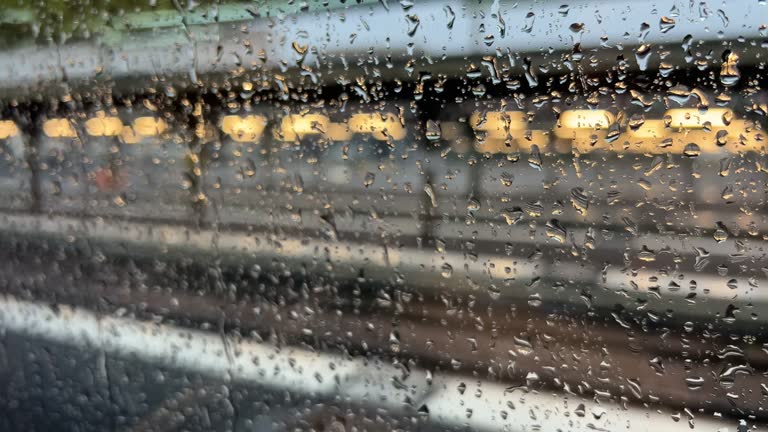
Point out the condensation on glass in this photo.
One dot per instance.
(375, 216)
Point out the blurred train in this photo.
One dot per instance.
(657, 197)
(320, 147)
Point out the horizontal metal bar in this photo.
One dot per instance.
(528, 29)
(449, 272)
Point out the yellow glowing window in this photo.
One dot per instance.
(149, 126)
(698, 119)
(524, 142)
(652, 137)
(298, 126)
(381, 126)
(498, 124)
(244, 129)
(102, 125)
(744, 136)
(581, 123)
(59, 128)
(584, 145)
(8, 129)
(339, 132)
(650, 129)
(129, 136)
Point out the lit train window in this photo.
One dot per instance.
(102, 125)
(381, 215)
(8, 129)
(59, 128)
(243, 128)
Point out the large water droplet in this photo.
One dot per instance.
(433, 132)
(729, 70)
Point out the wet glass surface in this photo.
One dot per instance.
(383, 215)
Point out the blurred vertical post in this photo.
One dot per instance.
(29, 120)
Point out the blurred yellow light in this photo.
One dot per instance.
(655, 147)
(649, 138)
(498, 124)
(381, 126)
(523, 143)
(651, 129)
(129, 136)
(244, 129)
(296, 126)
(744, 136)
(584, 145)
(149, 126)
(696, 119)
(339, 132)
(582, 123)
(705, 140)
(101, 125)
(59, 128)
(8, 129)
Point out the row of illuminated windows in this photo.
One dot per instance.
(686, 131)
(679, 131)
(249, 128)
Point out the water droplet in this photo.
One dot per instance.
(666, 24)
(555, 230)
(433, 132)
(473, 205)
(300, 49)
(576, 27)
(394, 341)
(642, 54)
(534, 300)
(727, 193)
(446, 271)
(692, 150)
(534, 158)
(729, 70)
(506, 179)
(646, 254)
(369, 179)
(702, 259)
(721, 233)
(723, 17)
(579, 200)
(413, 24)
(636, 121)
(513, 215)
(430, 191)
(450, 16)
(531, 378)
(530, 19)
(657, 365)
(694, 383)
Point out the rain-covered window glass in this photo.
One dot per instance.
(268, 215)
